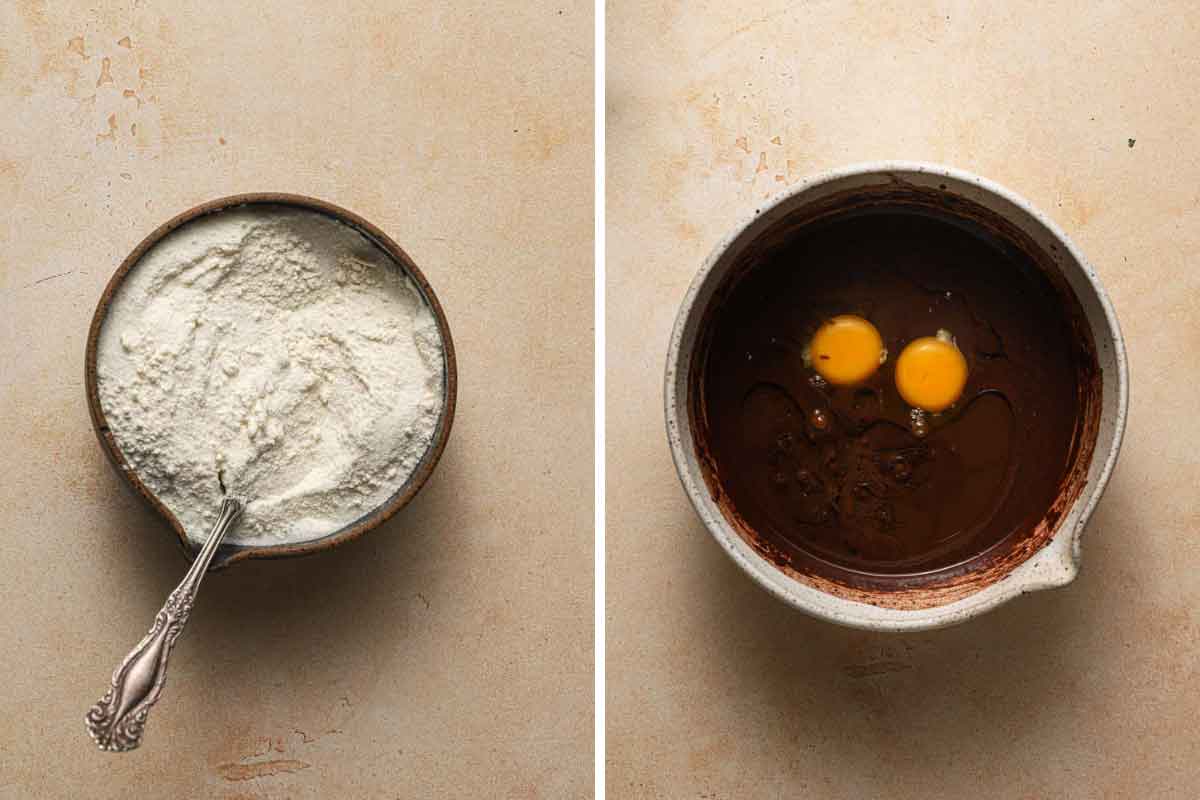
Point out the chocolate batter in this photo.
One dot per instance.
(842, 475)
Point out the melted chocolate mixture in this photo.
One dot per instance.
(840, 473)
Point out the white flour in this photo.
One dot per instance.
(279, 352)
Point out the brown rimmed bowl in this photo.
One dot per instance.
(232, 552)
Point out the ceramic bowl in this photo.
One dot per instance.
(1050, 555)
(232, 552)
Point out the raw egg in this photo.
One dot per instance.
(846, 350)
(931, 372)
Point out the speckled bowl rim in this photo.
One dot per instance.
(1057, 564)
(231, 553)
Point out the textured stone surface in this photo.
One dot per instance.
(715, 689)
(447, 654)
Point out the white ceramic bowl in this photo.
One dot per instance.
(1052, 558)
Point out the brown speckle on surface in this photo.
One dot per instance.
(743, 143)
(75, 45)
(260, 769)
(1131, 143)
(111, 134)
(8, 170)
(125, 42)
(105, 72)
(544, 141)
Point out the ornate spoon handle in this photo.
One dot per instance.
(116, 722)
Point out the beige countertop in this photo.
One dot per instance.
(716, 690)
(445, 655)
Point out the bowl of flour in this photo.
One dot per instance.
(276, 348)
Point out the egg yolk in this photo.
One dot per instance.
(846, 349)
(931, 372)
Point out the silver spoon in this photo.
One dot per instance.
(117, 720)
